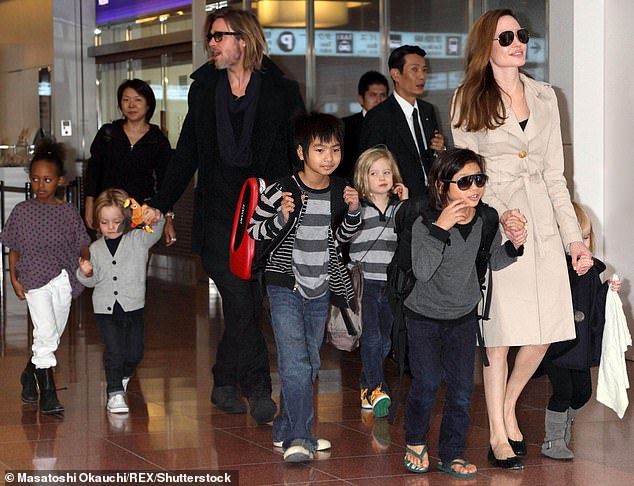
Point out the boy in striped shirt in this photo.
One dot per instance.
(307, 220)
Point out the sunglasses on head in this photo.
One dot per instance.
(465, 182)
(218, 35)
(506, 38)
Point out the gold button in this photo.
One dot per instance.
(522, 154)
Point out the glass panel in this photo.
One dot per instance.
(440, 27)
(284, 25)
(169, 20)
(532, 15)
(347, 44)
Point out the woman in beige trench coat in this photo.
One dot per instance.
(513, 121)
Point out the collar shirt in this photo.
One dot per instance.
(408, 110)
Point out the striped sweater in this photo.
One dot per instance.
(267, 224)
(374, 244)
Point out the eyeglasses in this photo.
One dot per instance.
(465, 182)
(506, 38)
(218, 35)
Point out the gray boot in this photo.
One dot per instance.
(572, 413)
(554, 445)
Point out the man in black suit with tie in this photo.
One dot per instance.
(373, 89)
(404, 123)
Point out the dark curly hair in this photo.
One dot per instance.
(51, 151)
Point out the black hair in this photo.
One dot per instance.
(369, 78)
(317, 126)
(397, 56)
(49, 150)
(144, 90)
(444, 168)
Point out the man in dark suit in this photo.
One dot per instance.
(373, 89)
(404, 123)
(237, 126)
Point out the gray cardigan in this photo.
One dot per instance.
(121, 277)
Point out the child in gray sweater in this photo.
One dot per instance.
(441, 311)
(117, 271)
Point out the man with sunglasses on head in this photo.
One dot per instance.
(237, 126)
(404, 123)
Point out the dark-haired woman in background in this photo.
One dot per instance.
(129, 154)
(513, 121)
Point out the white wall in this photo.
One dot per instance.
(618, 123)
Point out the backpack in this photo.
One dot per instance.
(401, 279)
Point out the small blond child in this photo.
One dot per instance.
(381, 190)
(568, 363)
(117, 271)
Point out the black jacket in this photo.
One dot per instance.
(352, 134)
(386, 124)
(218, 185)
(138, 169)
(588, 300)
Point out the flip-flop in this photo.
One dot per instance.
(413, 467)
(448, 468)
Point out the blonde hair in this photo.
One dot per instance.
(113, 198)
(250, 30)
(363, 165)
(584, 222)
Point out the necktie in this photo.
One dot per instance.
(419, 141)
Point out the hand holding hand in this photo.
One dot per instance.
(18, 288)
(401, 191)
(514, 225)
(577, 251)
(454, 213)
(438, 141)
(85, 267)
(151, 215)
(287, 206)
(351, 198)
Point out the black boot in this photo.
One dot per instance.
(29, 385)
(49, 404)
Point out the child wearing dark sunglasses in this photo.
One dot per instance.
(441, 311)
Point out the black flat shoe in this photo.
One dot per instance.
(519, 446)
(508, 463)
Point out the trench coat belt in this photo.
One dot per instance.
(527, 180)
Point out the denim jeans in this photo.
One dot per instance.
(437, 351)
(376, 336)
(298, 326)
(123, 339)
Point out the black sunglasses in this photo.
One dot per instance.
(506, 38)
(218, 35)
(465, 182)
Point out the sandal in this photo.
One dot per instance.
(411, 466)
(448, 468)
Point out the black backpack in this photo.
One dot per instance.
(401, 279)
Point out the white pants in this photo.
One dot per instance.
(49, 307)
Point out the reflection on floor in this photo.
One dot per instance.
(173, 426)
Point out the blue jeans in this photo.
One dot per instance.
(376, 336)
(437, 351)
(298, 327)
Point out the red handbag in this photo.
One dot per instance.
(242, 250)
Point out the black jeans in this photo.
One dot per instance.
(242, 357)
(571, 388)
(123, 340)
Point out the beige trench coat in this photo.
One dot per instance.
(531, 302)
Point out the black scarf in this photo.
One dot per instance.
(236, 154)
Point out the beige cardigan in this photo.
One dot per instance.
(531, 302)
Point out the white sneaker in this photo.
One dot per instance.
(124, 382)
(117, 404)
(322, 444)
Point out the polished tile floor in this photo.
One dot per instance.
(173, 426)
